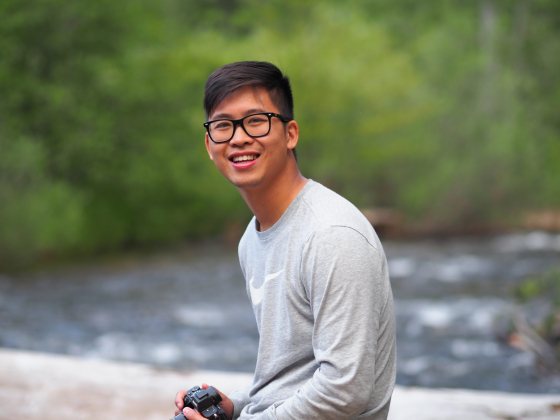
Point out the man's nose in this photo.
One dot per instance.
(240, 137)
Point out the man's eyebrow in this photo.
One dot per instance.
(255, 111)
(229, 116)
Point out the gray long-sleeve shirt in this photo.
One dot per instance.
(320, 290)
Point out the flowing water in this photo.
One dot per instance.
(187, 311)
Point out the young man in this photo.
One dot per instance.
(315, 270)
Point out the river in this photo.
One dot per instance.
(188, 309)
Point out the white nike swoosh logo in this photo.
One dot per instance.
(258, 293)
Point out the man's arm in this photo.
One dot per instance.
(240, 399)
(347, 284)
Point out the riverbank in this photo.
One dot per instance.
(47, 387)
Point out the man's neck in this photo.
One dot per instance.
(269, 202)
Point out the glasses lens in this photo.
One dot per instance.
(221, 130)
(257, 125)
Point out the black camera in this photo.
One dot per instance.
(205, 401)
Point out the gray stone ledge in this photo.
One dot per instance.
(53, 387)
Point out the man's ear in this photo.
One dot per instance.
(292, 132)
(207, 143)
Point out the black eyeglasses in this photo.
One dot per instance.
(255, 125)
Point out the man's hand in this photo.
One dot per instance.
(226, 404)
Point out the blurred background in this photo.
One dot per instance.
(438, 119)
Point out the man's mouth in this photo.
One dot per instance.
(243, 158)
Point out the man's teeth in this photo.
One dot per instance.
(244, 158)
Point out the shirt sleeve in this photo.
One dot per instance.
(240, 399)
(347, 284)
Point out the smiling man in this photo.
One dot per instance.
(315, 270)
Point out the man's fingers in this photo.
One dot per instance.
(206, 386)
(192, 415)
(179, 400)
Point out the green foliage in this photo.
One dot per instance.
(545, 287)
(447, 111)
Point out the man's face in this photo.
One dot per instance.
(250, 162)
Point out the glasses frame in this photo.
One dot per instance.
(240, 122)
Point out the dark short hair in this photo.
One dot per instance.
(231, 77)
(234, 76)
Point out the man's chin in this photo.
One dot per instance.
(246, 184)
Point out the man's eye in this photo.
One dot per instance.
(224, 125)
(258, 119)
